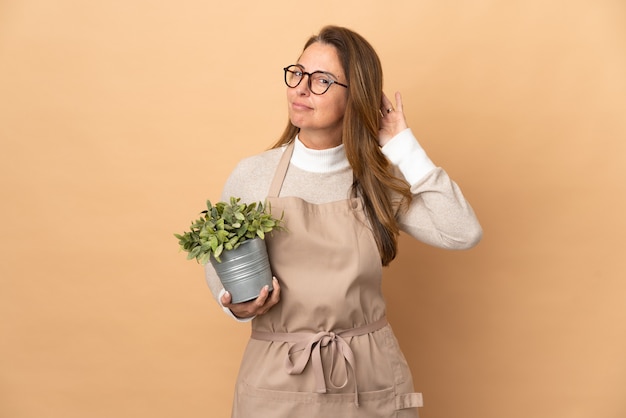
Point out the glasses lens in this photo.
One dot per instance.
(293, 75)
(320, 82)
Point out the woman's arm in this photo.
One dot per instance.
(439, 214)
(247, 181)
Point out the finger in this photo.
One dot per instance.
(226, 299)
(275, 296)
(386, 103)
(387, 106)
(263, 294)
(262, 304)
(399, 106)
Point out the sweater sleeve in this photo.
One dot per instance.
(439, 214)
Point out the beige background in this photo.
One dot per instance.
(119, 118)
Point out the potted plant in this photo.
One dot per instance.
(231, 236)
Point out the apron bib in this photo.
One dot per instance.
(326, 349)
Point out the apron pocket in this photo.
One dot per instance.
(397, 361)
(255, 402)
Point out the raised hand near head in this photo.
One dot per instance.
(392, 119)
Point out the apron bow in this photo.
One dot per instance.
(307, 346)
(311, 349)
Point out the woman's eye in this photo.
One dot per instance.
(323, 80)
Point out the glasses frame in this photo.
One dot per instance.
(287, 69)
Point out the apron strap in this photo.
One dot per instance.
(281, 171)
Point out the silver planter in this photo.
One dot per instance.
(245, 270)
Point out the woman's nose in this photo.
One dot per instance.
(303, 88)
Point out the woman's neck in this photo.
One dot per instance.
(319, 161)
(319, 140)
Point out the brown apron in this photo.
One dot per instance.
(326, 349)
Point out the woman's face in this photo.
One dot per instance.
(319, 117)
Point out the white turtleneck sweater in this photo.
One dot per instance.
(439, 215)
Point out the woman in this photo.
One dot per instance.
(348, 175)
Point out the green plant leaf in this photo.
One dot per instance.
(204, 258)
(195, 252)
(213, 242)
(224, 226)
(218, 250)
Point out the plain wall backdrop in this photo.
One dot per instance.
(119, 119)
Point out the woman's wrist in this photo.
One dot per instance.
(404, 151)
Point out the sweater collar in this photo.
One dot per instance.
(319, 161)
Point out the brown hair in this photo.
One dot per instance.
(381, 191)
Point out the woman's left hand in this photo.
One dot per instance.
(392, 121)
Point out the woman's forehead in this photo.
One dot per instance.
(321, 57)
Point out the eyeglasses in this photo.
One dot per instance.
(319, 81)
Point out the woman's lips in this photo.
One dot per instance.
(299, 106)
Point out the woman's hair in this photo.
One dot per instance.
(381, 191)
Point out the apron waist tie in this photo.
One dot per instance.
(309, 346)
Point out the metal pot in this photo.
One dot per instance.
(245, 270)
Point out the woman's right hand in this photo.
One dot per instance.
(258, 306)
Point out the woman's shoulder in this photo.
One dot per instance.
(265, 159)
(251, 177)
